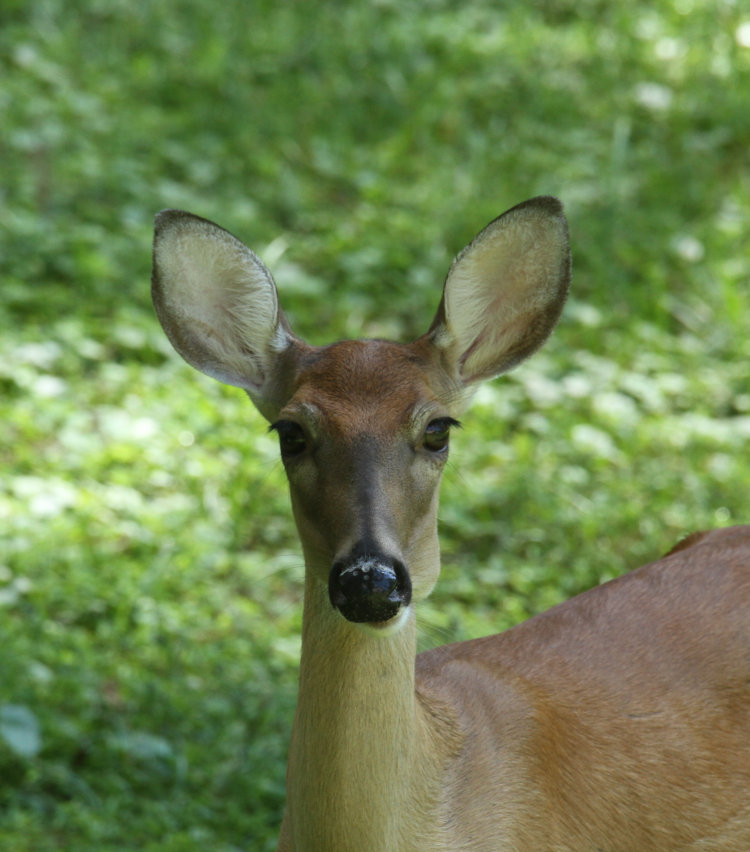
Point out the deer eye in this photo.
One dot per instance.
(292, 441)
(437, 434)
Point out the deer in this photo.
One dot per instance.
(617, 721)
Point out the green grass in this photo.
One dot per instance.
(150, 579)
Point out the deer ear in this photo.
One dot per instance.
(505, 291)
(218, 304)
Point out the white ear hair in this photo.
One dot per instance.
(505, 291)
(217, 302)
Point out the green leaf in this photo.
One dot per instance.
(19, 729)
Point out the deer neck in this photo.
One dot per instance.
(358, 736)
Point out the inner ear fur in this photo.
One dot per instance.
(505, 291)
(218, 304)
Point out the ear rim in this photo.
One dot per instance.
(439, 332)
(259, 368)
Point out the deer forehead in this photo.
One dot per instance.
(368, 387)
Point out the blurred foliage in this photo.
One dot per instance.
(150, 578)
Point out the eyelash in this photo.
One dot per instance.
(437, 434)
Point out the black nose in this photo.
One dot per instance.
(369, 587)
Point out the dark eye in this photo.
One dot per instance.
(437, 434)
(292, 440)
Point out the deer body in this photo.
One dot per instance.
(551, 736)
(618, 721)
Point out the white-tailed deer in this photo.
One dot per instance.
(618, 721)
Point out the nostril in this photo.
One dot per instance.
(369, 588)
(403, 582)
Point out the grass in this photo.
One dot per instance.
(150, 579)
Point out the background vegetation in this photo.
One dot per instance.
(150, 579)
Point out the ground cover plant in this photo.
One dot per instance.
(150, 579)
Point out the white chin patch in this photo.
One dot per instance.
(382, 629)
